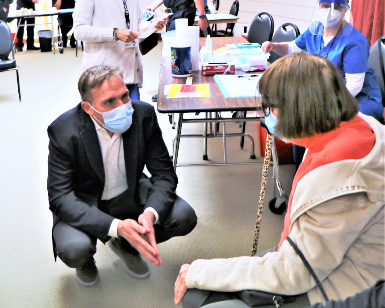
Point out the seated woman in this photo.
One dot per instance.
(336, 206)
(332, 37)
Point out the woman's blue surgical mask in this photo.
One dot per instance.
(328, 17)
(271, 122)
(117, 120)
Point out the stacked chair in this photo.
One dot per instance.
(6, 47)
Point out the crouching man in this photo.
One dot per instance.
(96, 186)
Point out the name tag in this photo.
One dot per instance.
(129, 45)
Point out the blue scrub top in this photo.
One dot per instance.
(349, 53)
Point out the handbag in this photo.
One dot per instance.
(255, 298)
(148, 43)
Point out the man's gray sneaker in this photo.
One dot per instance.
(133, 264)
(88, 275)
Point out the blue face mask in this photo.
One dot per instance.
(117, 120)
(271, 122)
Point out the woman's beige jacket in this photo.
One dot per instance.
(337, 221)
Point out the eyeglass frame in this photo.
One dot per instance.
(266, 108)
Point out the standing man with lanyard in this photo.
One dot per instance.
(109, 32)
(182, 9)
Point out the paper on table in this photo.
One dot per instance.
(150, 28)
(179, 90)
(238, 85)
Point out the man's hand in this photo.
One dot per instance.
(58, 4)
(132, 231)
(203, 24)
(35, 1)
(180, 284)
(160, 24)
(5, 10)
(126, 36)
(267, 46)
(147, 220)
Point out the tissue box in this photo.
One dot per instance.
(217, 68)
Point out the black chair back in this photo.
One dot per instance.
(377, 63)
(283, 34)
(261, 29)
(5, 39)
(233, 11)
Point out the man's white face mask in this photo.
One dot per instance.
(328, 17)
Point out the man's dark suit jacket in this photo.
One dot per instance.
(76, 173)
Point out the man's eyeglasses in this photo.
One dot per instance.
(266, 108)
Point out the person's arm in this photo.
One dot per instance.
(355, 82)
(82, 16)
(202, 22)
(57, 4)
(282, 49)
(161, 194)
(62, 200)
(154, 5)
(6, 4)
(355, 63)
(279, 48)
(283, 271)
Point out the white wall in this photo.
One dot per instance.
(298, 12)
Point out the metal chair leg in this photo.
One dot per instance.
(242, 143)
(18, 83)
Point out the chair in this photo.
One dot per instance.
(6, 47)
(377, 63)
(283, 35)
(229, 26)
(261, 29)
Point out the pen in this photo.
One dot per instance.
(246, 76)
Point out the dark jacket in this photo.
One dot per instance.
(76, 173)
(4, 4)
(28, 4)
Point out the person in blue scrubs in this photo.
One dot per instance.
(332, 37)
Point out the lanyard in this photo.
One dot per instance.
(127, 15)
(320, 43)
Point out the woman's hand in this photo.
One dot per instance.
(160, 24)
(180, 284)
(267, 46)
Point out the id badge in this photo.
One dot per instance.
(130, 45)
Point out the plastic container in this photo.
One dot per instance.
(45, 40)
(209, 45)
(181, 58)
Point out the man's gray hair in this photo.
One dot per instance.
(94, 78)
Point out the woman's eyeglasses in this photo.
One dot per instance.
(266, 108)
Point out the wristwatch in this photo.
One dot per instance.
(202, 16)
(115, 34)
